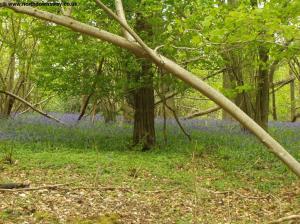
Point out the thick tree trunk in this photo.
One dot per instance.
(144, 130)
(262, 92)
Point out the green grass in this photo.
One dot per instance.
(229, 161)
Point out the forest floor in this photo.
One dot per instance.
(223, 176)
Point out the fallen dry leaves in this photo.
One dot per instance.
(84, 200)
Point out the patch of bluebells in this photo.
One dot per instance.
(36, 128)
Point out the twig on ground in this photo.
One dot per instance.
(109, 188)
(35, 188)
(287, 218)
(234, 192)
(160, 191)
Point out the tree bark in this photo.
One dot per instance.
(262, 92)
(8, 100)
(273, 93)
(84, 104)
(177, 71)
(227, 85)
(144, 130)
(293, 98)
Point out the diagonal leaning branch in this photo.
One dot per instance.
(31, 106)
(174, 69)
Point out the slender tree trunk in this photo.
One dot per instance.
(227, 85)
(292, 94)
(274, 109)
(10, 85)
(84, 104)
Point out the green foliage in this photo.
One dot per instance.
(8, 153)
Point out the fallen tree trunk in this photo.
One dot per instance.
(173, 68)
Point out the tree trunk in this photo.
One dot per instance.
(227, 85)
(274, 109)
(292, 94)
(144, 130)
(8, 100)
(262, 92)
(84, 104)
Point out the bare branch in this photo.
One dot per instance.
(37, 104)
(151, 53)
(178, 122)
(166, 98)
(280, 84)
(215, 73)
(121, 14)
(202, 113)
(30, 105)
(175, 116)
